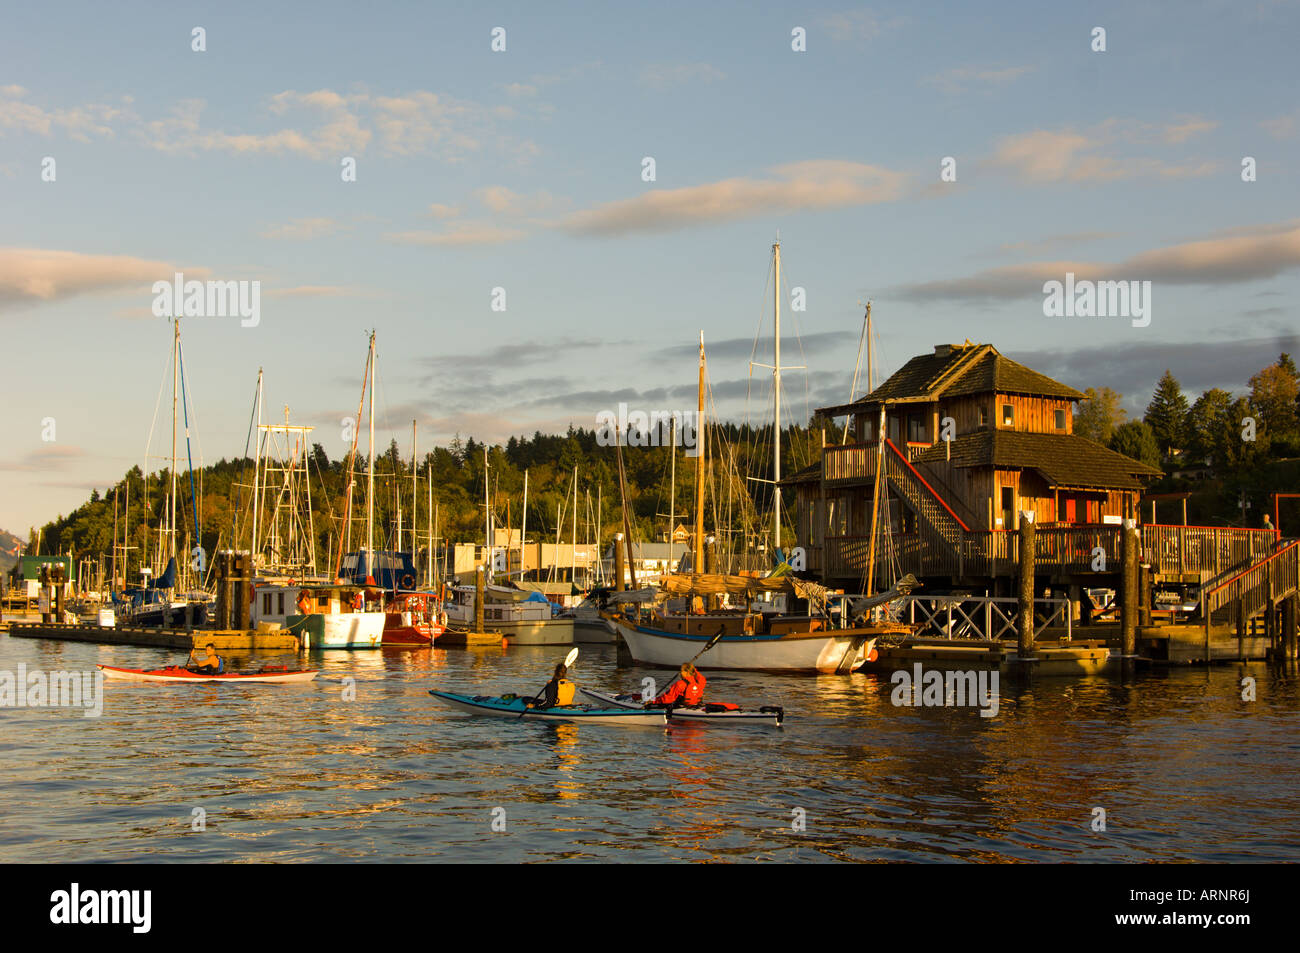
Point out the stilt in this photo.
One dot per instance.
(1026, 592)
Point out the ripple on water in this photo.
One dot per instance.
(1184, 770)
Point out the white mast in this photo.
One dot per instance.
(257, 466)
(523, 530)
(776, 393)
(487, 516)
(573, 547)
(370, 469)
(176, 369)
(415, 497)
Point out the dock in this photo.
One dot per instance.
(223, 639)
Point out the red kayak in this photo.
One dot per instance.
(174, 673)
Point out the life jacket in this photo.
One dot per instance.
(564, 692)
(693, 691)
(683, 691)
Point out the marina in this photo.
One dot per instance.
(572, 436)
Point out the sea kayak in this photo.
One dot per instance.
(708, 712)
(512, 706)
(174, 673)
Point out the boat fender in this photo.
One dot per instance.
(873, 655)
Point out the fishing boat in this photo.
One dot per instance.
(413, 617)
(524, 618)
(708, 713)
(270, 674)
(512, 706)
(323, 616)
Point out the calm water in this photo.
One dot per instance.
(1184, 769)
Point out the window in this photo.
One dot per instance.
(1008, 415)
(266, 603)
(1060, 420)
(866, 428)
(915, 429)
(984, 417)
(280, 602)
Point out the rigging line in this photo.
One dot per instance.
(189, 456)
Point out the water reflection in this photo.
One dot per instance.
(1185, 769)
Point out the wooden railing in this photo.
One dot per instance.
(1206, 550)
(852, 462)
(1257, 585)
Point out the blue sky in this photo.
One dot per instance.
(522, 169)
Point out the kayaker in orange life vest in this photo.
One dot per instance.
(686, 689)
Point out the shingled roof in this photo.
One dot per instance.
(1063, 460)
(959, 369)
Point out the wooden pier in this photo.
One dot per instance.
(222, 639)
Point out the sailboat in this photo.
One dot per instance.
(159, 600)
(524, 618)
(324, 614)
(826, 638)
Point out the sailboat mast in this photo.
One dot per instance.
(697, 557)
(176, 368)
(672, 482)
(870, 371)
(370, 469)
(523, 530)
(573, 547)
(415, 497)
(776, 395)
(257, 469)
(487, 517)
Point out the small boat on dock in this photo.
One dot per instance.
(272, 674)
(708, 713)
(523, 618)
(513, 706)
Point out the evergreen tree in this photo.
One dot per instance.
(1209, 427)
(1167, 415)
(1136, 439)
(1099, 415)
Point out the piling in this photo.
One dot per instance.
(1026, 591)
(1290, 611)
(1144, 594)
(479, 594)
(618, 562)
(1129, 588)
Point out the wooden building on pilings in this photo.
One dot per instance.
(972, 439)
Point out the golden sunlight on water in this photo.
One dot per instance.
(1182, 767)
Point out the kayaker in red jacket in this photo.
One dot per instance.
(686, 689)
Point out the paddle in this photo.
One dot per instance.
(568, 663)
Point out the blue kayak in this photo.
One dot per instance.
(512, 706)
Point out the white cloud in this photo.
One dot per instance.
(798, 186)
(34, 275)
(459, 234)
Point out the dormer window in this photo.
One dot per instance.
(1008, 415)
